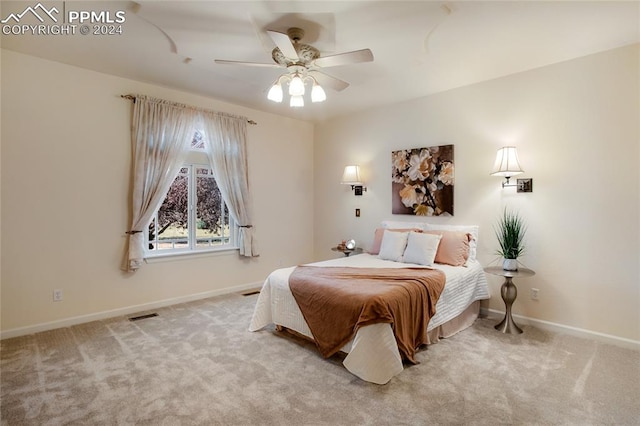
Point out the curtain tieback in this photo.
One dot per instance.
(132, 232)
(246, 226)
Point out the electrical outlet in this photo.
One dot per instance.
(534, 293)
(57, 295)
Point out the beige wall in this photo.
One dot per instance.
(576, 128)
(65, 183)
(65, 176)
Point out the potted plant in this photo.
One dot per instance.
(510, 232)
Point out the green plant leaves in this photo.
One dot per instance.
(510, 232)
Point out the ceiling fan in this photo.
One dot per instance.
(303, 62)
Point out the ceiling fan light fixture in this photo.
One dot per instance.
(301, 62)
(275, 93)
(317, 93)
(296, 101)
(296, 86)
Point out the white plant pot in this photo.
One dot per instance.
(510, 264)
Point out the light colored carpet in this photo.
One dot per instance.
(196, 364)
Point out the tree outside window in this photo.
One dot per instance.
(193, 215)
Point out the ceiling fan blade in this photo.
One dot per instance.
(357, 56)
(250, 64)
(326, 80)
(284, 44)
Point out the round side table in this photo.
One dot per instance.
(347, 252)
(509, 292)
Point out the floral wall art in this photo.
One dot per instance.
(422, 181)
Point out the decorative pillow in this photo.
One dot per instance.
(453, 248)
(377, 238)
(393, 245)
(421, 248)
(471, 229)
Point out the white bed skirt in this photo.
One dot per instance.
(373, 353)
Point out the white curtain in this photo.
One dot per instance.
(161, 136)
(227, 150)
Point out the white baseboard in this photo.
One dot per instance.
(566, 329)
(67, 322)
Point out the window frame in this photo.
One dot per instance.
(196, 159)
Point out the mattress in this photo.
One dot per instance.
(373, 353)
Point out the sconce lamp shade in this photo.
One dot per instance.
(507, 162)
(351, 176)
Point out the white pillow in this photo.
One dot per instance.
(470, 229)
(393, 245)
(421, 248)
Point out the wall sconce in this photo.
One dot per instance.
(351, 176)
(507, 165)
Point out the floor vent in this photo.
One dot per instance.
(141, 317)
(251, 293)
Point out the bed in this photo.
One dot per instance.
(373, 354)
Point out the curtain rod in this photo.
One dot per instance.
(133, 98)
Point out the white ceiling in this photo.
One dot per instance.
(420, 47)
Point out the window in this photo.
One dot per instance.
(193, 216)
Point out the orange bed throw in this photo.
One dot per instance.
(336, 301)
